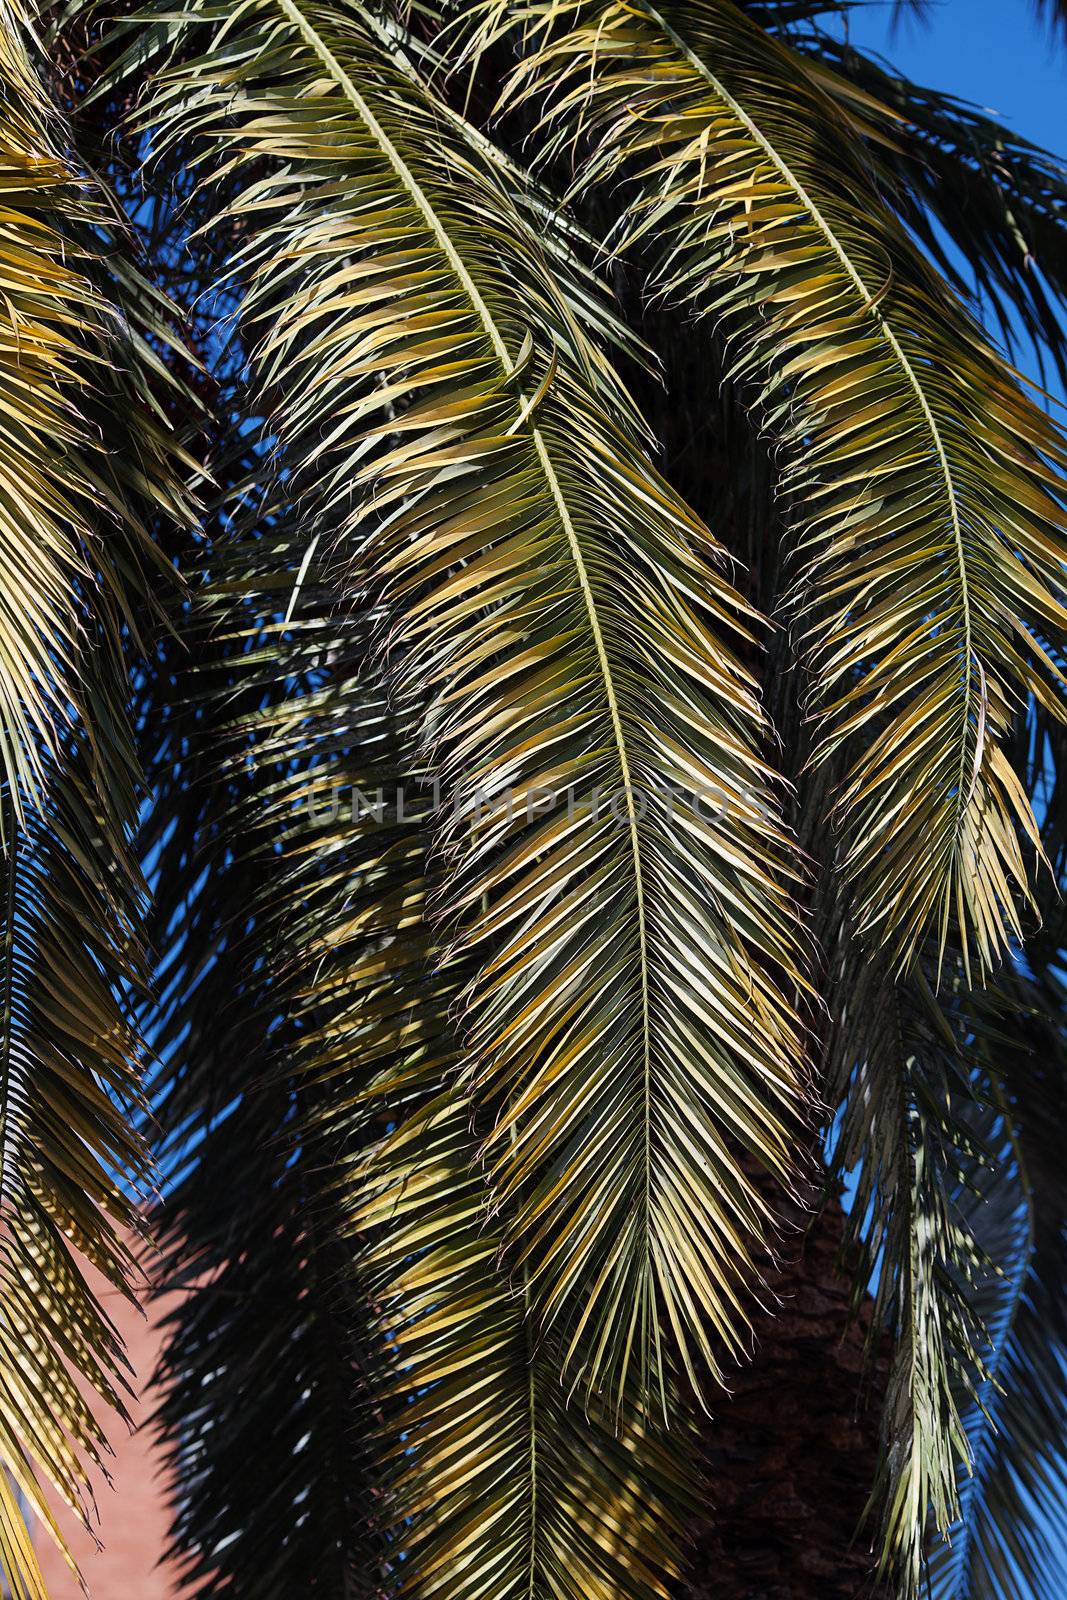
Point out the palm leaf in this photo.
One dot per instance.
(352, 1008)
(498, 1481)
(956, 174)
(494, 1478)
(264, 1401)
(1007, 1541)
(73, 588)
(926, 486)
(264, 1397)
(499, 467)
(915, 1134)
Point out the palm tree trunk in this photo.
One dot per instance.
(792, 1452)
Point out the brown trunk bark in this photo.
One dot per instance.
(792, 1451)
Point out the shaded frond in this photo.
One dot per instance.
(912, 1133)
(75, 589)
(264, 1413)
(925, 487)
(263, 1403)
(1008, 1544)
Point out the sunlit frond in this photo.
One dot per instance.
(495, 1477)
(985, 203)
(502, 1479)
(516, 531)
(925, 487)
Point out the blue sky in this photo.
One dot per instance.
(994, 52)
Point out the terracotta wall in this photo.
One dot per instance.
(133, 1514)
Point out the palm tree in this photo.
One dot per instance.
(533, 696)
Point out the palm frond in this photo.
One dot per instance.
(926, 487)
(265, 1408)
(495, 1478)
(59, 488)
(1055, 11)
(69, 1080)
(939, 1123)
(500, 1480)
(485, 472)
(1008, 1542)
(954, 173)
(353, 1006)
(264, 1395)
(914, 1134)
(74, 591)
